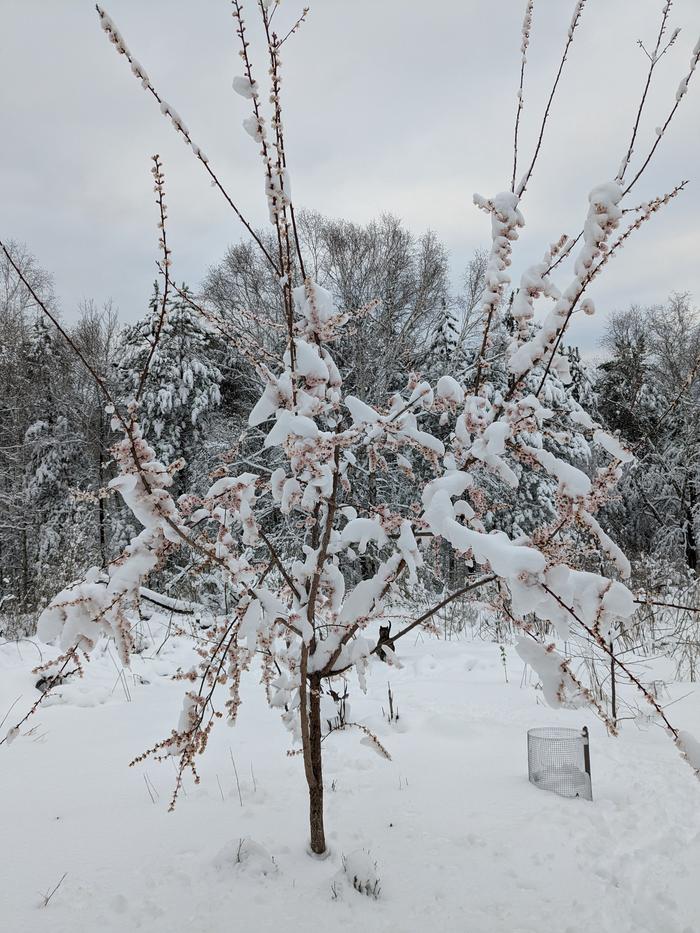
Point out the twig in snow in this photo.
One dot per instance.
(150, 793)
(15, 702)
(47, 897)
(235, 771)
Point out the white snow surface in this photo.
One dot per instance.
(461, 840)
(613, 446)
(245, 87)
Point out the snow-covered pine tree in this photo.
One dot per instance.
(21, 406)
(628, 399)
(96, 335)
(53, 468)
(649, 390)
(183, 382)
(54, 438)
(445, 353)
(582, 384)
(558, 385)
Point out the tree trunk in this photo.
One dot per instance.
(613, 683)
(101, 517)
(101, 531)
(691, 548)
(318, 836)
(368, 565)
(25, 565)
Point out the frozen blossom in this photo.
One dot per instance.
(603, 218)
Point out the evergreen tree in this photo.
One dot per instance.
(183, 386)
(628, 400)
(53, 454)
(445, 354)
(648, 390)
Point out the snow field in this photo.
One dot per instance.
(460, 839)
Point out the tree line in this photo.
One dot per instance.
(58, 518)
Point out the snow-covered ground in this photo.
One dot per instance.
(461, 840)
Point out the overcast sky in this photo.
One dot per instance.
(390, 105)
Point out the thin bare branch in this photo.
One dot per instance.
(159, 180)
(482, 581)
(294, 28)
(118, 42)
(604, 646)
(653, 61)
(578, 8)
(527, 26)
(651, 208)
(680, 94)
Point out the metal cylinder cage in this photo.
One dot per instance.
(559, 760)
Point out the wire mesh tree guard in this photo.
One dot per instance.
(559, 760)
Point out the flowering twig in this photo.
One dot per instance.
(117, 40)
(159, 180)
(653, 59)
(295, 27)
(578, 8)
(680, 94)
(650, 209)
(525, 42)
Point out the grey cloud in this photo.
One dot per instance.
(389, 105)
